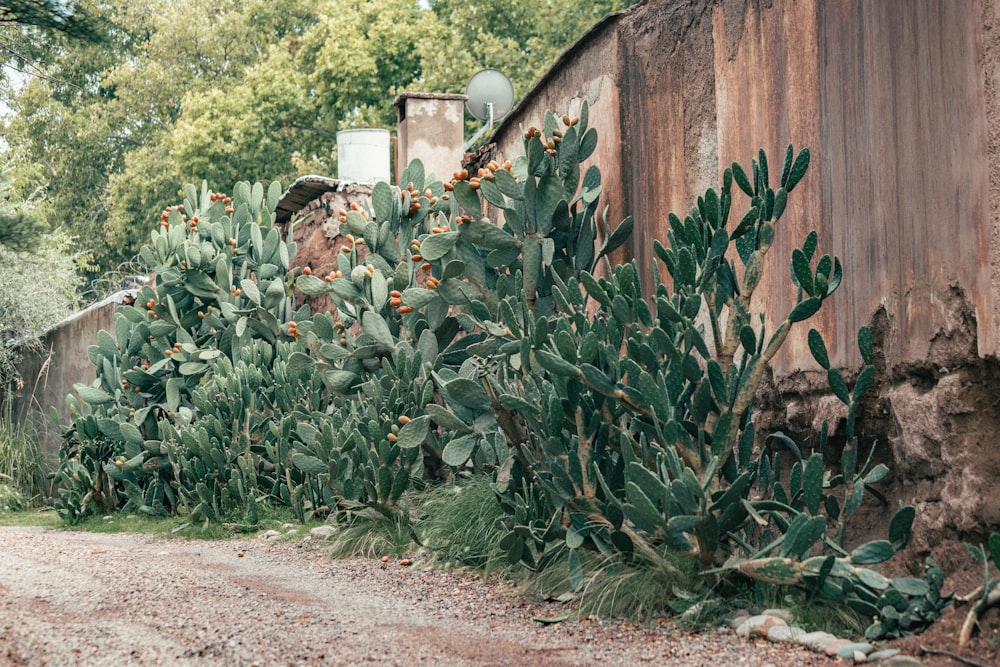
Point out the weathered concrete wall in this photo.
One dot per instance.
(897, 102)
(317, 233)
(51, 368)
(888, 96)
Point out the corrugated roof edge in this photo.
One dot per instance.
(302, 191)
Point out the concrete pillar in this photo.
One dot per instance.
(430, 127)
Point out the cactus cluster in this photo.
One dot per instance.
(222, 284)
(480, 329)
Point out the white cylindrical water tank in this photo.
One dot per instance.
(363, 155)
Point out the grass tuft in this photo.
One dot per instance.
(368, 533)
(613, 587)
(22, 465)
(459, 524)
(816, 613)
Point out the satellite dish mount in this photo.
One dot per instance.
(490, 98)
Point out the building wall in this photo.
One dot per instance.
(888, 96)
(51, 367)
(898, 104)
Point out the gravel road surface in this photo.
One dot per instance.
(73, 598)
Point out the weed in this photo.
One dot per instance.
(459, 523)
(369, 533)
(22, 464)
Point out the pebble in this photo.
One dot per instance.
(783, 614)
(738, 617)
(816, 641)
(322, 532)
(775, 626)
(833, 648)
(883, 654)
(848, 650)
(758, 626)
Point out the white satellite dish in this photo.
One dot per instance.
(489, 87)
(490, 97)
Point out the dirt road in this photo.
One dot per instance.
(71, 598)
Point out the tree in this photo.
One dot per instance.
(247, 89)
(38, 278)
(50, 15)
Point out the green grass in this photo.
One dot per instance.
(42, 518)
(613, 587)
(22, 464)
(367, 533)
(459, 526)
(164, 527)
(458, 523)
(171, 527)
(814, 614)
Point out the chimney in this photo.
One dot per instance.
(431, 127)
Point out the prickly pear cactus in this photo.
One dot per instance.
(222, 281)
(628, 410)
(476, 331)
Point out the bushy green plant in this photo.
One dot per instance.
(460, 524)
(38, 280)
(11, 499)
(22, 463)
(614, 416)
(626, 408)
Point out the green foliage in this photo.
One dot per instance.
(22, 464)
(48, 275)
(33, 261)
(49, 15)
(234, 89)
(11, 499)
(613, 416)
(614, 587)
(630, 430)
(907, 606)
(369, 533)
(222, 283)
(459, 524)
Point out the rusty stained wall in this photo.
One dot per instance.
(903, 170)
(888, 96)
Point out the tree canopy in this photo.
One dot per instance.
(227, 90)
(51, 15)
